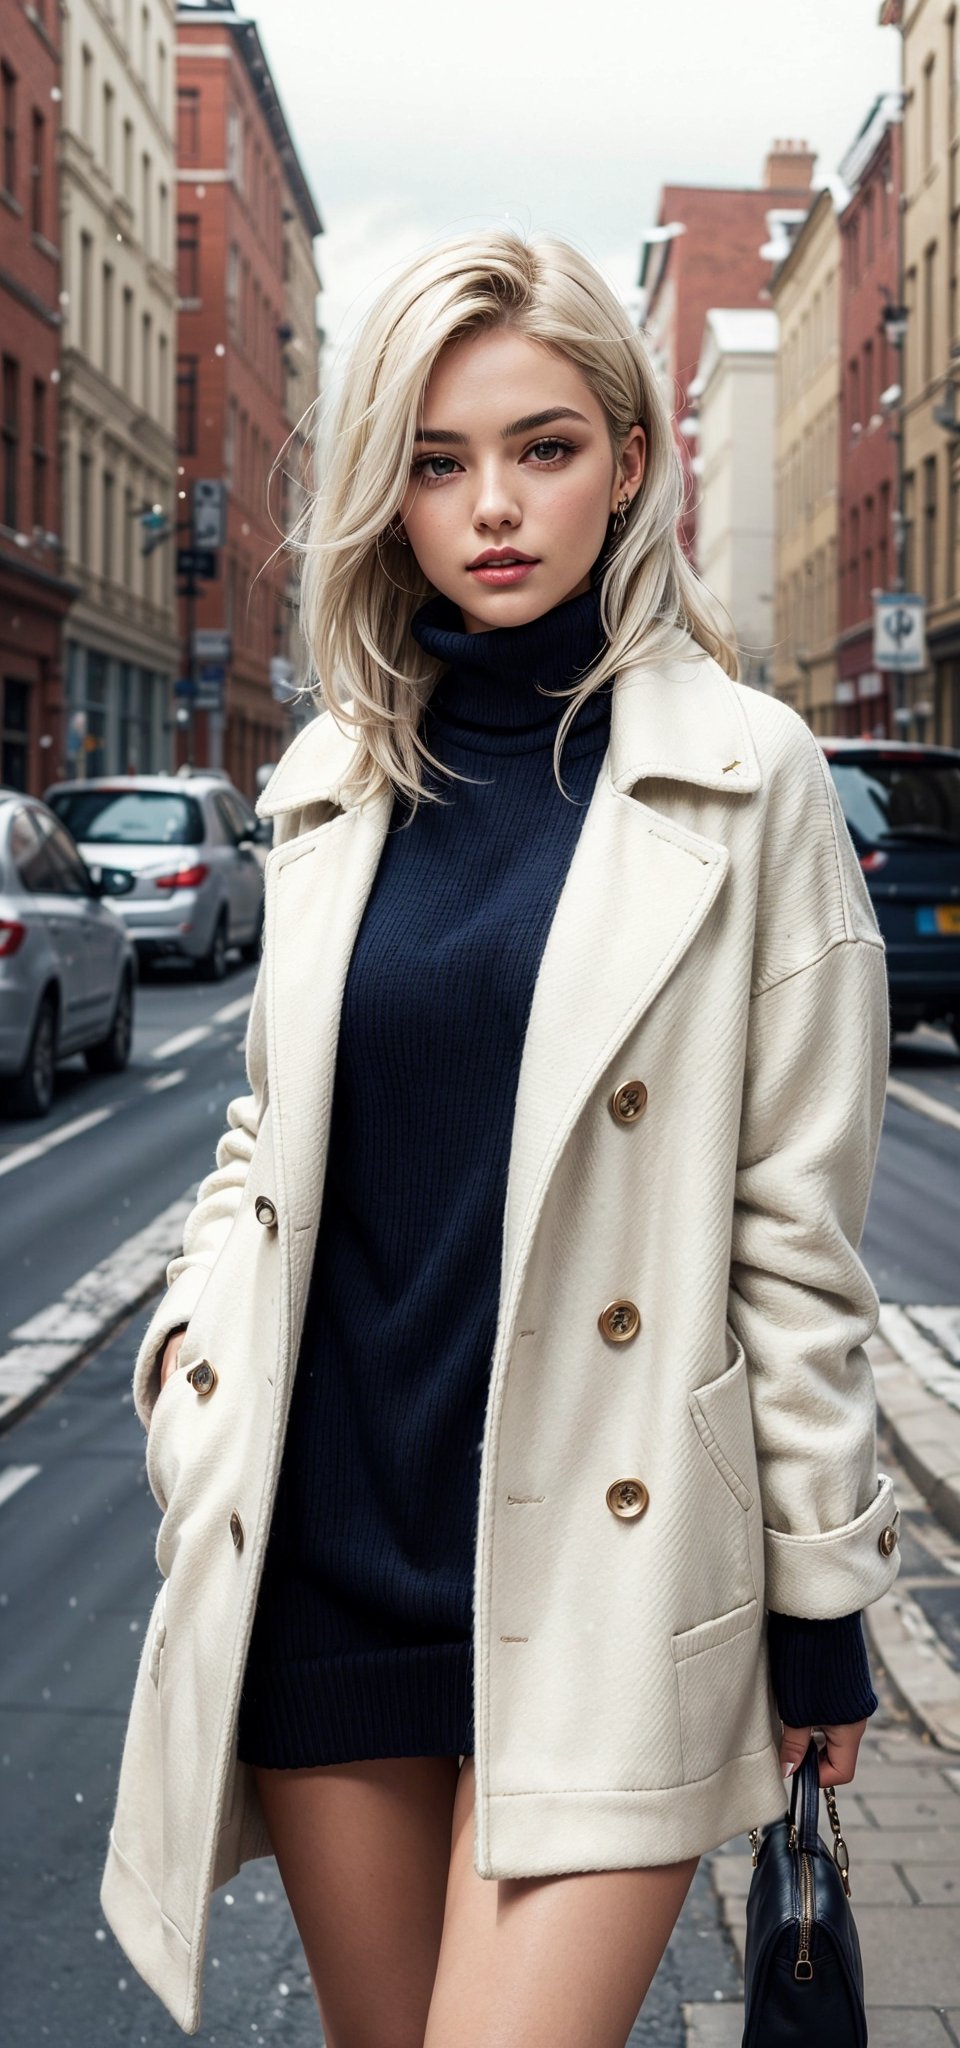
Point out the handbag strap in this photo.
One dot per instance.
(805, 1811)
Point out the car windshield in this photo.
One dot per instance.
(908, 797)
(130, 817)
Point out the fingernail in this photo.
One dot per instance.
(788, 1773)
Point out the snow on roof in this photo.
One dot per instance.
(744, 330)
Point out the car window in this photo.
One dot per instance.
(129, 817)
(74, 879)
(913, 797)
(236, 819)
(33, 856)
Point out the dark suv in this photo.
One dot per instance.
(902, 807)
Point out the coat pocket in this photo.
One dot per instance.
(720, 1691)
(721, 1412)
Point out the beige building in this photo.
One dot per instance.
(118, 184)
(805, 296)
(929, 703)
(302, 337)
(735, 394)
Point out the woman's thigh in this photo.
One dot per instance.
(547, 1962)
(363, 1851)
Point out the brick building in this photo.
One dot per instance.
(714, 258)
(867, 456)
(34, 594)
(238, 174)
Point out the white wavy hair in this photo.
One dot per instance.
(359, 586)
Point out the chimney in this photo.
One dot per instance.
(789, 166)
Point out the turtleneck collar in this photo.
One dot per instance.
(489, 682)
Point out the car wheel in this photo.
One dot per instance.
(212, 965)
(31, 1093)
(252, 948)
(111, 1054)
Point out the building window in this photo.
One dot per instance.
(128, 162)
(188, 124)
(926, 114)
(108, 319)
(11, 438)
(188, 255)
(868, 393)
(928, 335)
(86, 96)
(106, 537)
(147, 234)
(38, 211)
(83, 508)
(109, 103)
(146, 346)
(39, 454)
(930, 529)
(127, 340)
(15, 728)
(129, 514)
(8, 78)
(163, 411)
(163, 225)
(187, 405)
(86, 264)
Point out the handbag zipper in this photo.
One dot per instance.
(803, 1967)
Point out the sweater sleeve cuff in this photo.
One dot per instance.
(819, 1670)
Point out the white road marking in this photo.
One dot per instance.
(172, 1046)
(231, 1011)
(917, 1098)
(38, 1146)
(13, 1477)
(158, 1082)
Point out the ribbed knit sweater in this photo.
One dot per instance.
(362, 1638)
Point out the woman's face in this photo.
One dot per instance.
(497, 467)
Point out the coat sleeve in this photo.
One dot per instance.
(801, 1300)
(209, 1222)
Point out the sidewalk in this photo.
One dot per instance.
(901, 1816)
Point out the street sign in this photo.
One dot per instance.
(210, 643)
(899, 638)
(197, 562)
(209, 695)
(185, 686)
(209, 510)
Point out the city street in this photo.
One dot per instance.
(78, 1575)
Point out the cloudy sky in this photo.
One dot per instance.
(420, 120)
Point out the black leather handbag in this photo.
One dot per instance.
(802, 1967)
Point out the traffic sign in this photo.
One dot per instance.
(899, 638)
(209, 511)
(197, 562)
(210, 644)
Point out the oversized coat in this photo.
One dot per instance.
(681, 1421)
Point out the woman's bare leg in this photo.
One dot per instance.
(547, 1962)
(363, 1851)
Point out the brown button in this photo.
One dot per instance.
(236, 1530)
(628, 1102)
(887, 1540)
(619, 1321)
(202, 1376)
(627, 1497)
(264, 1211)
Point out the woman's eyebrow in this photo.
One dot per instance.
(532, 419)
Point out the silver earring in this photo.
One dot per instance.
(620, 516)
(397, 533)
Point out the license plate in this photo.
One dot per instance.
(939, 918)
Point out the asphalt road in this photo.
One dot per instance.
(77, 1523)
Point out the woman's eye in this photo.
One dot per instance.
(565, 447)
(556, 453)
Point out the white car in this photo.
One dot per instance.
(190, 843)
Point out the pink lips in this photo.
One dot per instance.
(496, 573)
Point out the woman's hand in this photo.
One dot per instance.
(171, 1353)
(838, 1757)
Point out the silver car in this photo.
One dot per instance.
(190, 842)
(67, 968)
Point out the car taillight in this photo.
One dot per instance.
(870, 862)
(12, 935)
(183, 878)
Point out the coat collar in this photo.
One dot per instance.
(684, 720)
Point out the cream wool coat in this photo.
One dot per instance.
(714, 939)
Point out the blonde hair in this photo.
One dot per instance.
(360, 586)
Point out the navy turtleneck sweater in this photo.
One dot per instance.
(362, 1638)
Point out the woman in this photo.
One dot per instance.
(516, 1440)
